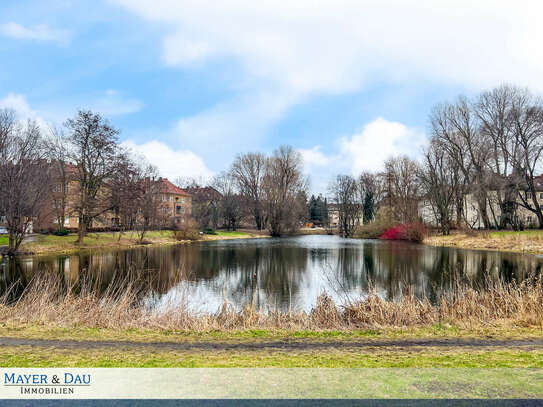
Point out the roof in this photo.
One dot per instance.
(166, 187)
(205, 193)
(538, 182)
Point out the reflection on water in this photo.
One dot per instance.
(287, 273)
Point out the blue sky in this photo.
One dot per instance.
(190, 83)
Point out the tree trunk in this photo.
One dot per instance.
(258, 221)
(12, 240)
(539, 219)
(82, 230)
(481, 203)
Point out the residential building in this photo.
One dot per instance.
(333, 216)
(176, 203)
(472, 215)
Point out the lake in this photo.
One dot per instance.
(274, 274)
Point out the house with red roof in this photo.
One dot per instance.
(176, 204)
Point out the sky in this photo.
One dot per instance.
(192, 83)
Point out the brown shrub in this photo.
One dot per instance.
(187, 230)
(373, 230)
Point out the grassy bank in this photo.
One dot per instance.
(527, 241)
(51, 244)
(114, 330)
(27, 356)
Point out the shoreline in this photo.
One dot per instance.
(55, 245)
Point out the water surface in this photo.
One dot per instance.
(285, 273)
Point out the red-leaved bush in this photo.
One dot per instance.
(413, 232)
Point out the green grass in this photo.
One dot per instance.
(4, 240)
(67, 244)
(93, 238)
(31, 356)
(227, 233)
(64, 244)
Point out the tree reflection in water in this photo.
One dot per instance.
(287, 273)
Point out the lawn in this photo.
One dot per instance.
(228, 233)
(381, 374)
(64, 244)
(4, 240)
(33, 356)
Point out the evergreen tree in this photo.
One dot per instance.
(368, 207)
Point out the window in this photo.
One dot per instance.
(183, 200)
(178, 209)
(164, 198)
(66, 221)
(171, 198)
(541, 195)
(528, 219)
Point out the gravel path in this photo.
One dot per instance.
(536, 343)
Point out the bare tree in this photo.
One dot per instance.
(60, 174)
(24, 176)
(458, 129)
(148, 201)
(126, 184)
(192, 182)
(526, 116)
(93, 148)
(284, 189)
(437, 179)
(493, 110)
(402, 188)
(248, 170)
(231, 206)
(345, 190)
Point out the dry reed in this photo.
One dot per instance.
(46, 301)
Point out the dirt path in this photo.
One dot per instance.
(536, 343)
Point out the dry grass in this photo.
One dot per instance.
(529, 241)
(46, 302)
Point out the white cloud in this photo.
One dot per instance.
(335, 46)
(17, 102)
(171, 163)
(363, 151)
(314, 157)
(40, 32)
(379, 140)
(288, 52)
